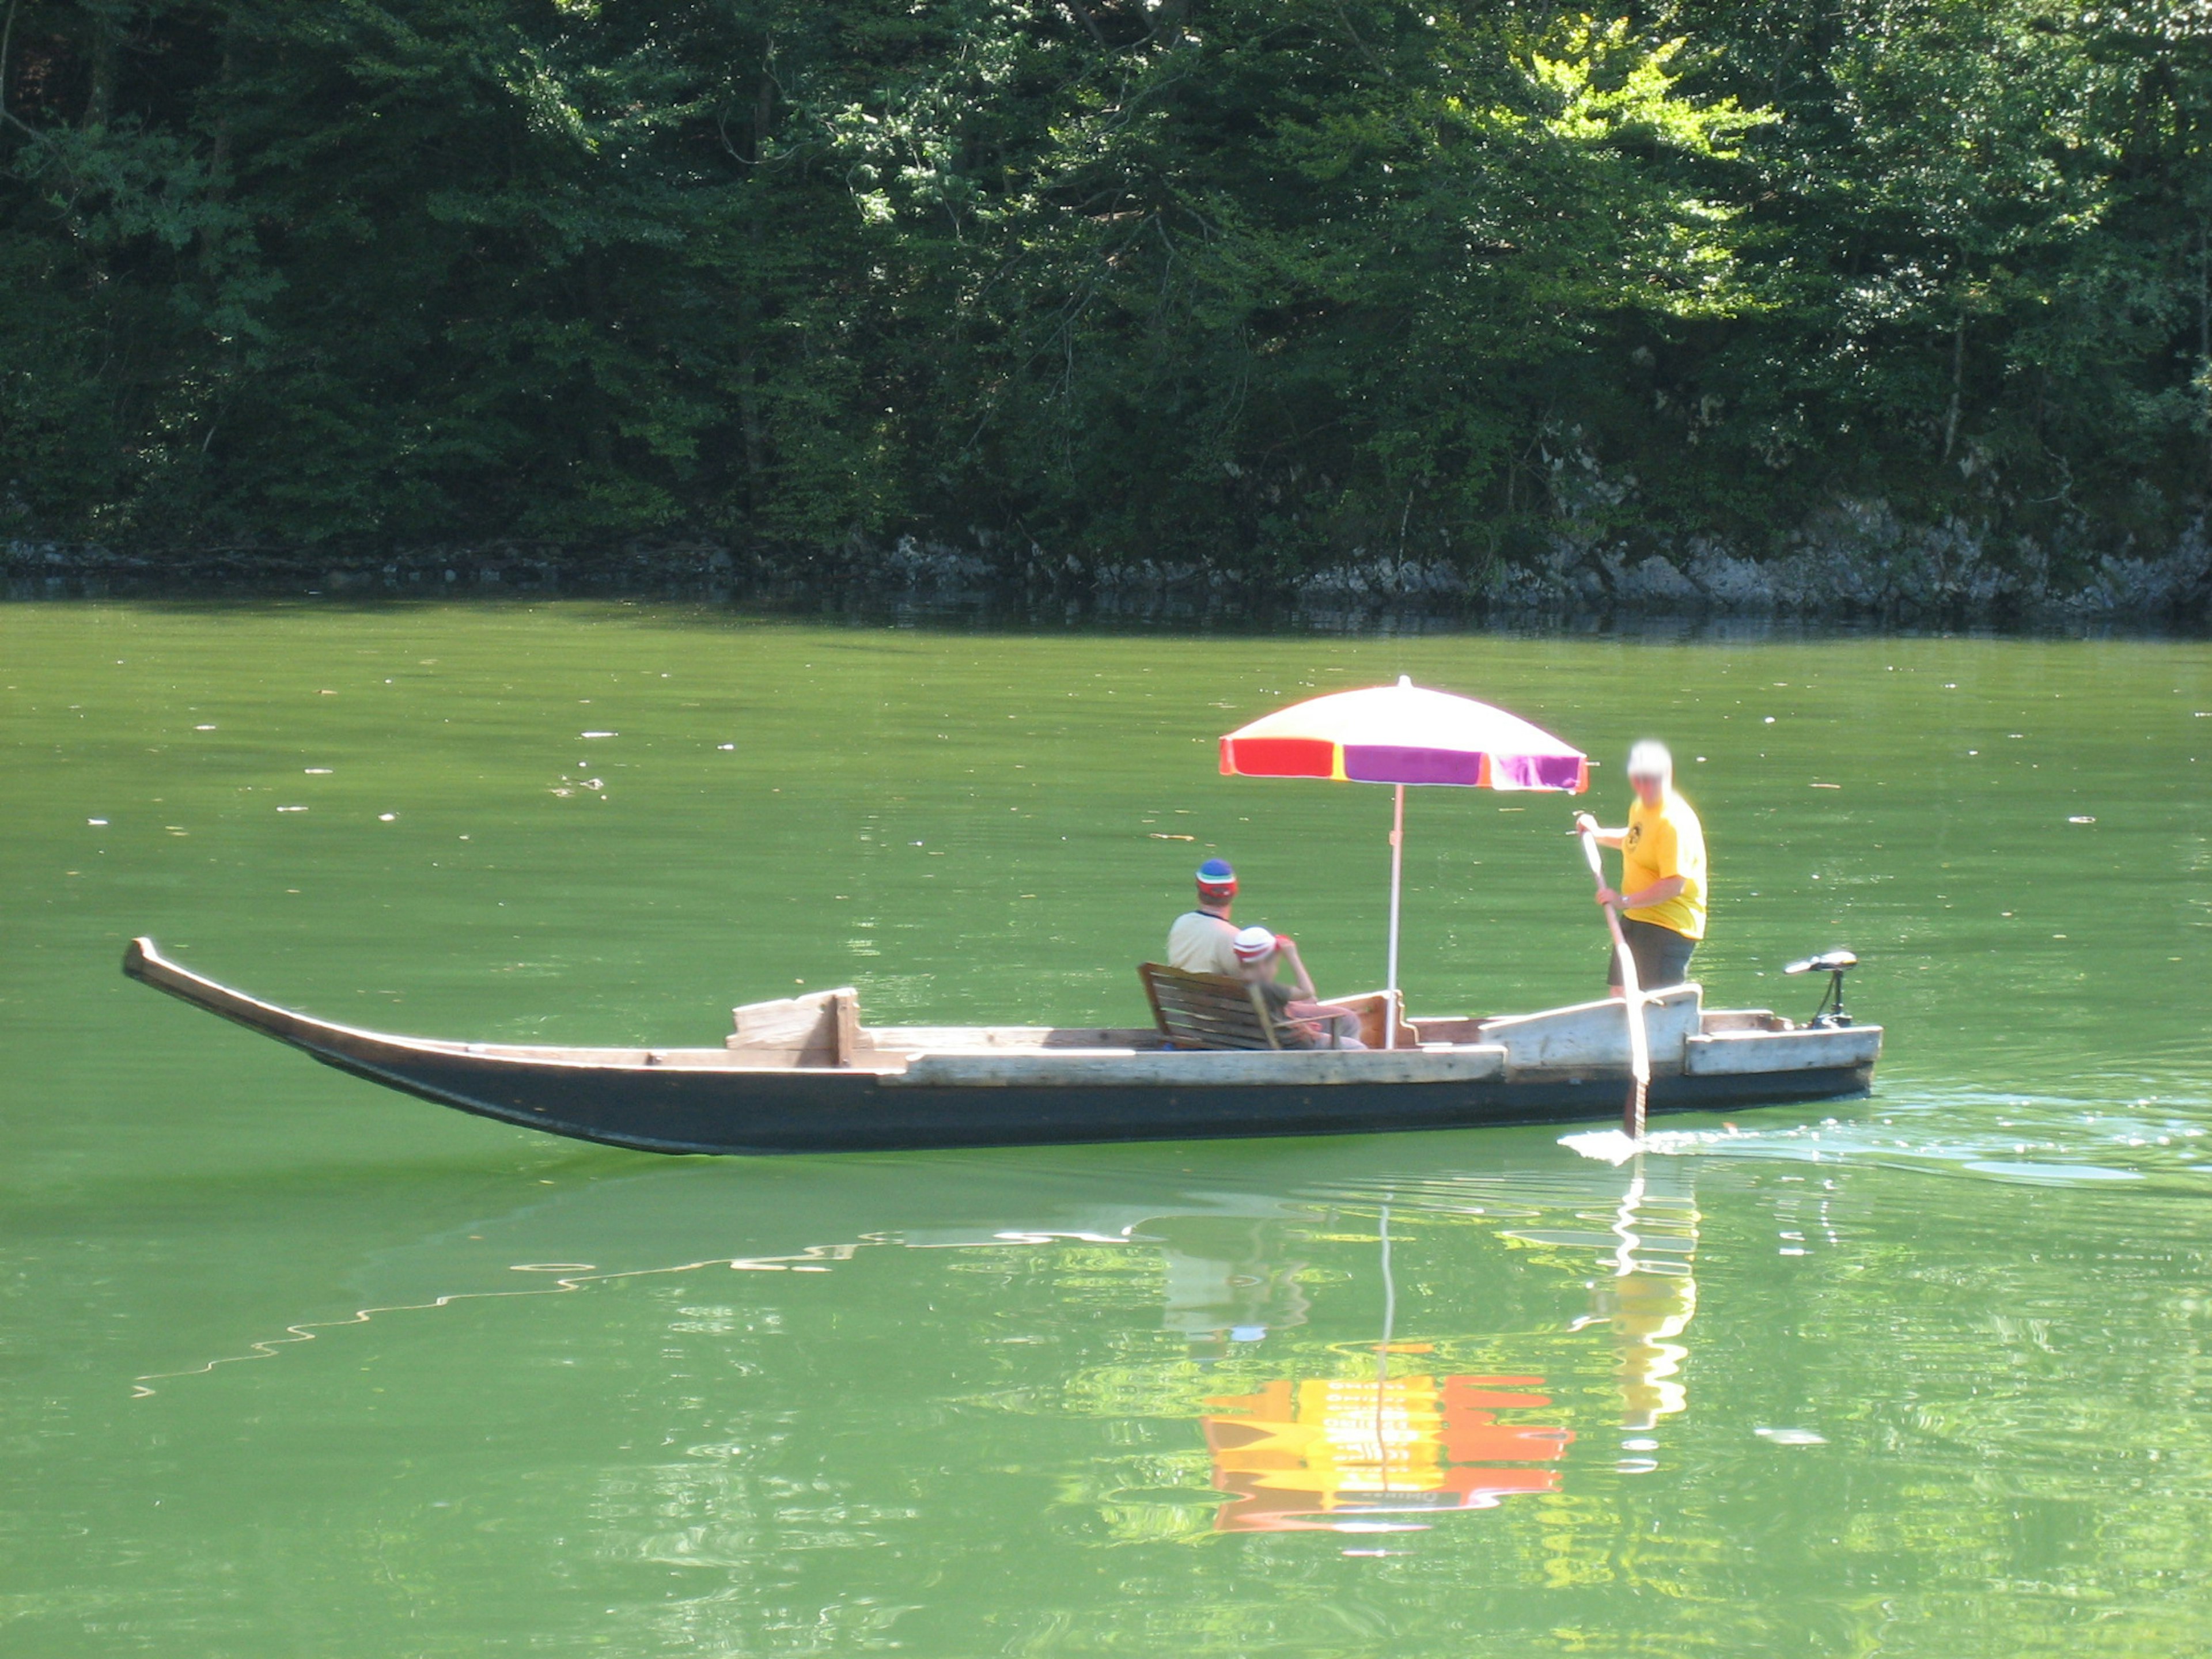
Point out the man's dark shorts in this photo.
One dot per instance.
(1662, 955)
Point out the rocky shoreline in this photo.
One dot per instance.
(1859, 565)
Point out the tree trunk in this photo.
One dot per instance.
(1958, 381)
(598, 430)
(105, 55)
(763, 112)
(749, 424)
(7, 46)
(226, 82)
(752, 311)
(1090, 23)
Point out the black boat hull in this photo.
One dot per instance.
(676, 1111)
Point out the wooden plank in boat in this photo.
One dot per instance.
(1596, 1034)
(1741, 1054)
(693, 1059)
(920, 1038)
(1127, 1069)
(824, 1021)
(1434, 1029)
(1373, 1007)
(1743, 1019)
(844, 1026)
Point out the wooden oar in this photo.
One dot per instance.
(1639, 1044)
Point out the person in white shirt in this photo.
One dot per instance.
(1203, 940)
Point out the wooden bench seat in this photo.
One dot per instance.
(1207, 1011)
(1212, 1011)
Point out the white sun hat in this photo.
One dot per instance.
(1253, 944)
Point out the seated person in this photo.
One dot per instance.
(1198, 942)
(1302, 1020)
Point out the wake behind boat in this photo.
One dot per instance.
(806, 1075)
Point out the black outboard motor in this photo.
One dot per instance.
(1834, 964)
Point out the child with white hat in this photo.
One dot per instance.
(1302, 1019)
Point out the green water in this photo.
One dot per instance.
(291, 1365)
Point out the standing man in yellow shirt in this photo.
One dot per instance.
(1662, 873)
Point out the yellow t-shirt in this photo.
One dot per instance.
(1663, 841)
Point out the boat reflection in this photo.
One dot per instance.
(1226, 1280)
(1348, 1349)
(1378, 1452)
(1344, 1453)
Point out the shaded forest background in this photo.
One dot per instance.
(1269, 283)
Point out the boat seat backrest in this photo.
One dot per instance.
(1207, 1011)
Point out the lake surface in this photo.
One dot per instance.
(292, 1365)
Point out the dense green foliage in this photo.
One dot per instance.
(1261, 280)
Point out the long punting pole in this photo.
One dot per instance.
(1397, 880)
(1631, 995)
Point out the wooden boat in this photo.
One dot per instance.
(805, 1075)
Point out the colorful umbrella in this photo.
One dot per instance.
(1403, 735)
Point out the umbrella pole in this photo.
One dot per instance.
(1397, 880)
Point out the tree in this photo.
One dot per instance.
(1263, 282)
